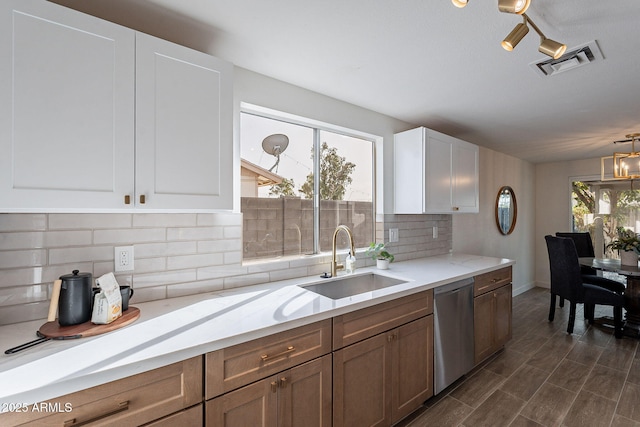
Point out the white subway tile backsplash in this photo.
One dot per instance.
(164, 220)
(90, 221)
(118, 236)
(175, 254)
(200, 233)
(23, 258)
(80, 254)
(23, 222)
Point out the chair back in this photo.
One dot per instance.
(566, 278)
(583, 242)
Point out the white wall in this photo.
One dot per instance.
(553, 205)
(478, 233)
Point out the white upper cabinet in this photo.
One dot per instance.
(94, 115)
(183, 127)
(434, 173)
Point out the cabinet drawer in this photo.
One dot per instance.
(358, 325)
(189, 417)
(133, 400)
(233, 367)
(487, 282)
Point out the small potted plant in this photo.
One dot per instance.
(628, 245)
(379, 253)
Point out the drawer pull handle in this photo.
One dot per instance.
(484, 287)
(122, 406)
(289, 349)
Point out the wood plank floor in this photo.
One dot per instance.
(546, 377)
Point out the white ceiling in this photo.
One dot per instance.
(429, 63)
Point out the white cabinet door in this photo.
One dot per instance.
(183, 127)
(434, 173)
(66, 109)
(466, 177)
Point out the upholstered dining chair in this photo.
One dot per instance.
(584, 247)
(567, 282)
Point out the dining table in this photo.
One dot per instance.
(631, 292)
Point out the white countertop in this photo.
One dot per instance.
(176, 329)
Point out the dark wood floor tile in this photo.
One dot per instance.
(547, 357)
(590, 410)
(528, 344)
(476, 389)
(498, 410)
(585, 353)
(634, 372)
(597, 337)
(525, 382)
(605, 382)
(521, 421)
(570, 375)
(616, 358)
(626, 343)
(629, 406)
(619, 421)
(447, 412)
(549, 405)
(507, 362)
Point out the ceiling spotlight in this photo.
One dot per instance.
(515, 36)
(552, 48)
(547, 46)
(460, 3)
(513, 6)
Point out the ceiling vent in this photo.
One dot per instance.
(577, 57)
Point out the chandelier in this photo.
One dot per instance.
(547, 46)
(622, 165)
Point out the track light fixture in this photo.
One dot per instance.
(513, 6)
(547, 46)
(459, 3)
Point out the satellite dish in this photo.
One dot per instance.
(275, 145)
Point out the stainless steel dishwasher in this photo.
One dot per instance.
(453, 335)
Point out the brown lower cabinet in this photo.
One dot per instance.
(300, 396)
(492, 321)
(382, 379)
(131, 401)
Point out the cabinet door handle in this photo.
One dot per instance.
(122, 406)
(289, 349)
(283, 382)
(455, 208)
(143, 199)
(127, 199)
(274, 386)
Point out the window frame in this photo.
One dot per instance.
(318, 126)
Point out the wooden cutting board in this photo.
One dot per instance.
(88, 329)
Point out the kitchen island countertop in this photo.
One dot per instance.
(176, 329)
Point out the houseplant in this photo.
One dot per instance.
(380, 254)
(628, 245)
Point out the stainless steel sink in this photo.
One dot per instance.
(352, 285)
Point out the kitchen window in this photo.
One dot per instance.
(300, 180)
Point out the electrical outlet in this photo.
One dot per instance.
(123, 256)
(435, 232)
(393, 235)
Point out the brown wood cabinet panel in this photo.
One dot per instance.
(304, 397)
(300, 396)
(252, 405)
(189, 417)
(492, 321)
(356, 326)
(487, 282)
(412, 366)
(134, 400)
(361, 383)
(233, 367)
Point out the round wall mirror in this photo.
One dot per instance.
(506, 210)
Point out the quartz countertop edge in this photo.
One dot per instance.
(172, 330)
